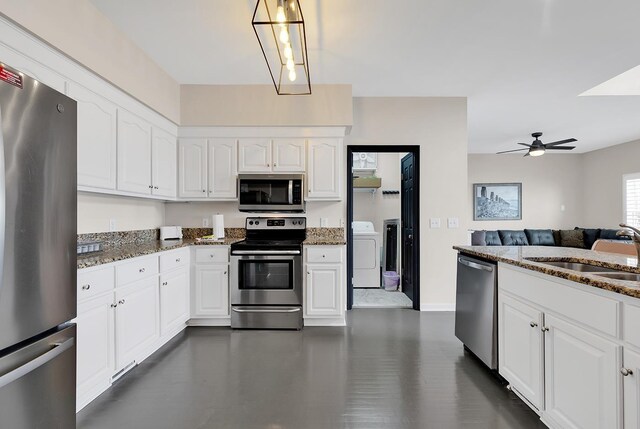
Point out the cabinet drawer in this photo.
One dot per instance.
(212, 255)
(324, 254)
(175, 259)
(95, 282)
(137, 269)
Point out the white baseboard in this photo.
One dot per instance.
(222, 321)
(437, 307)
(331, 321)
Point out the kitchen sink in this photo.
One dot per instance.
(578, 266)
(621, 275)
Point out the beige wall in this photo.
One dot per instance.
(377, 207)
(439, 126)
(95, 212)
(78, 29)
(259, 105)
(602, 187)
(548, 183)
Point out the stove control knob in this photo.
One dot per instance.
(257, 222)
(250, 222)
(293, 222)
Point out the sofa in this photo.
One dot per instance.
(582, 238)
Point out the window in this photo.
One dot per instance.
(631, 199)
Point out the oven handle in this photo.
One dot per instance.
(265, 252)
(266, 310)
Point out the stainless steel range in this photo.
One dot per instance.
(266, 274)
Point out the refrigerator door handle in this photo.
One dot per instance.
(21, 371)
(2, 203)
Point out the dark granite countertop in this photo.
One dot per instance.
(531, 258)
(127, 251)
(321, 241)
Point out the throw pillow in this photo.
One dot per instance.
(610, 234)
(513, 238)
(590, 236)
(478, 238)
(540, 237)
(556, 237)
(492, 238)
(572, 238)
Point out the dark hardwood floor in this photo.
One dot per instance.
(390, 368)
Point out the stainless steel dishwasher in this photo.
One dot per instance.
(476, 308)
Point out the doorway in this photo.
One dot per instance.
(383, 246)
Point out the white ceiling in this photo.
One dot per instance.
(522, 63)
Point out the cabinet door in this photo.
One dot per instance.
(323, 295)
(223, 169)
(134, 154)
(95, 348)
(631, 389)
(288, 155)
(163, 164)
(581, 377)
(137, 321)
(174, 300)
(96, 139)
(254, 155)
(211, 297)
(520, 348)
(323, 169)
(192, 168)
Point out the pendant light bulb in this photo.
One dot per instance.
(288, 53)
(280, 14)
(290, 64)
(292, 5)
(284, 35)
(292, 75)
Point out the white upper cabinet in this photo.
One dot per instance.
(254, 156)
(223, 170)
(33, 69)
(324, 167)
(163, 167)
(288, 155)
(192, 161)
(97, 125)
(134, 154)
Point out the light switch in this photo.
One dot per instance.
(324, 222)
(434, 222)
(205, 222)
(453, 222)
(112, 225)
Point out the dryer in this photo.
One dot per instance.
(366, 255)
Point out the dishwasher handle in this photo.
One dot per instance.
(475, 265)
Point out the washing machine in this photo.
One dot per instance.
(366, 255)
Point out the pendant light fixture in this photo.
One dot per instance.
(279, 26)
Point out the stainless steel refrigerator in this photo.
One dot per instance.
(37, 254)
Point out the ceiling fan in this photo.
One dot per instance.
(538, 148)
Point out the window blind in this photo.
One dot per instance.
(631, 192)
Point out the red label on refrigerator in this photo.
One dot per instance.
(10, 76)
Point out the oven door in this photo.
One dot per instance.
(266, 279)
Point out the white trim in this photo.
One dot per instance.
(244, 132)
(625, 178)
(210, 321)
(333, 321)
(438, 307)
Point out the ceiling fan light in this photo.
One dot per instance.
(536, 151)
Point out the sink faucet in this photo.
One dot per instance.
(634, 233)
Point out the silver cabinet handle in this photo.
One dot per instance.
(626, 372)
(114, 305)
(150, 187)
(225, 272)
(86, 287)
(266, 310)
(155, 187)
(533, 324)
(544, 329)
(204, 191)
(177, 259)
(141, 270)
(265, 252)
(475, 265)
(21, 371)
(121, 301)
(165, 283)
(308, 272)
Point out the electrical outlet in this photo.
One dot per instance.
(205, 222)
(112, 225)
(453, 222)
(341, 223)
(434, 222)
(324, 222)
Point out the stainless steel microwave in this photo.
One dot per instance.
(271, 193)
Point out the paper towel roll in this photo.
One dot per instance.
(218, 226)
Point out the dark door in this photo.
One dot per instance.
(408, 223)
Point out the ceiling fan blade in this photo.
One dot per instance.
(561, 148)
(514, 150)
(524, 144)
(560, 142)
(526, 154)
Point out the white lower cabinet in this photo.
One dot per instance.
(174, 300)
(557, 359)
(324, 285)
(211, 296)
(520, 348)
(136, 321)
(95, 348)
(631, 384)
